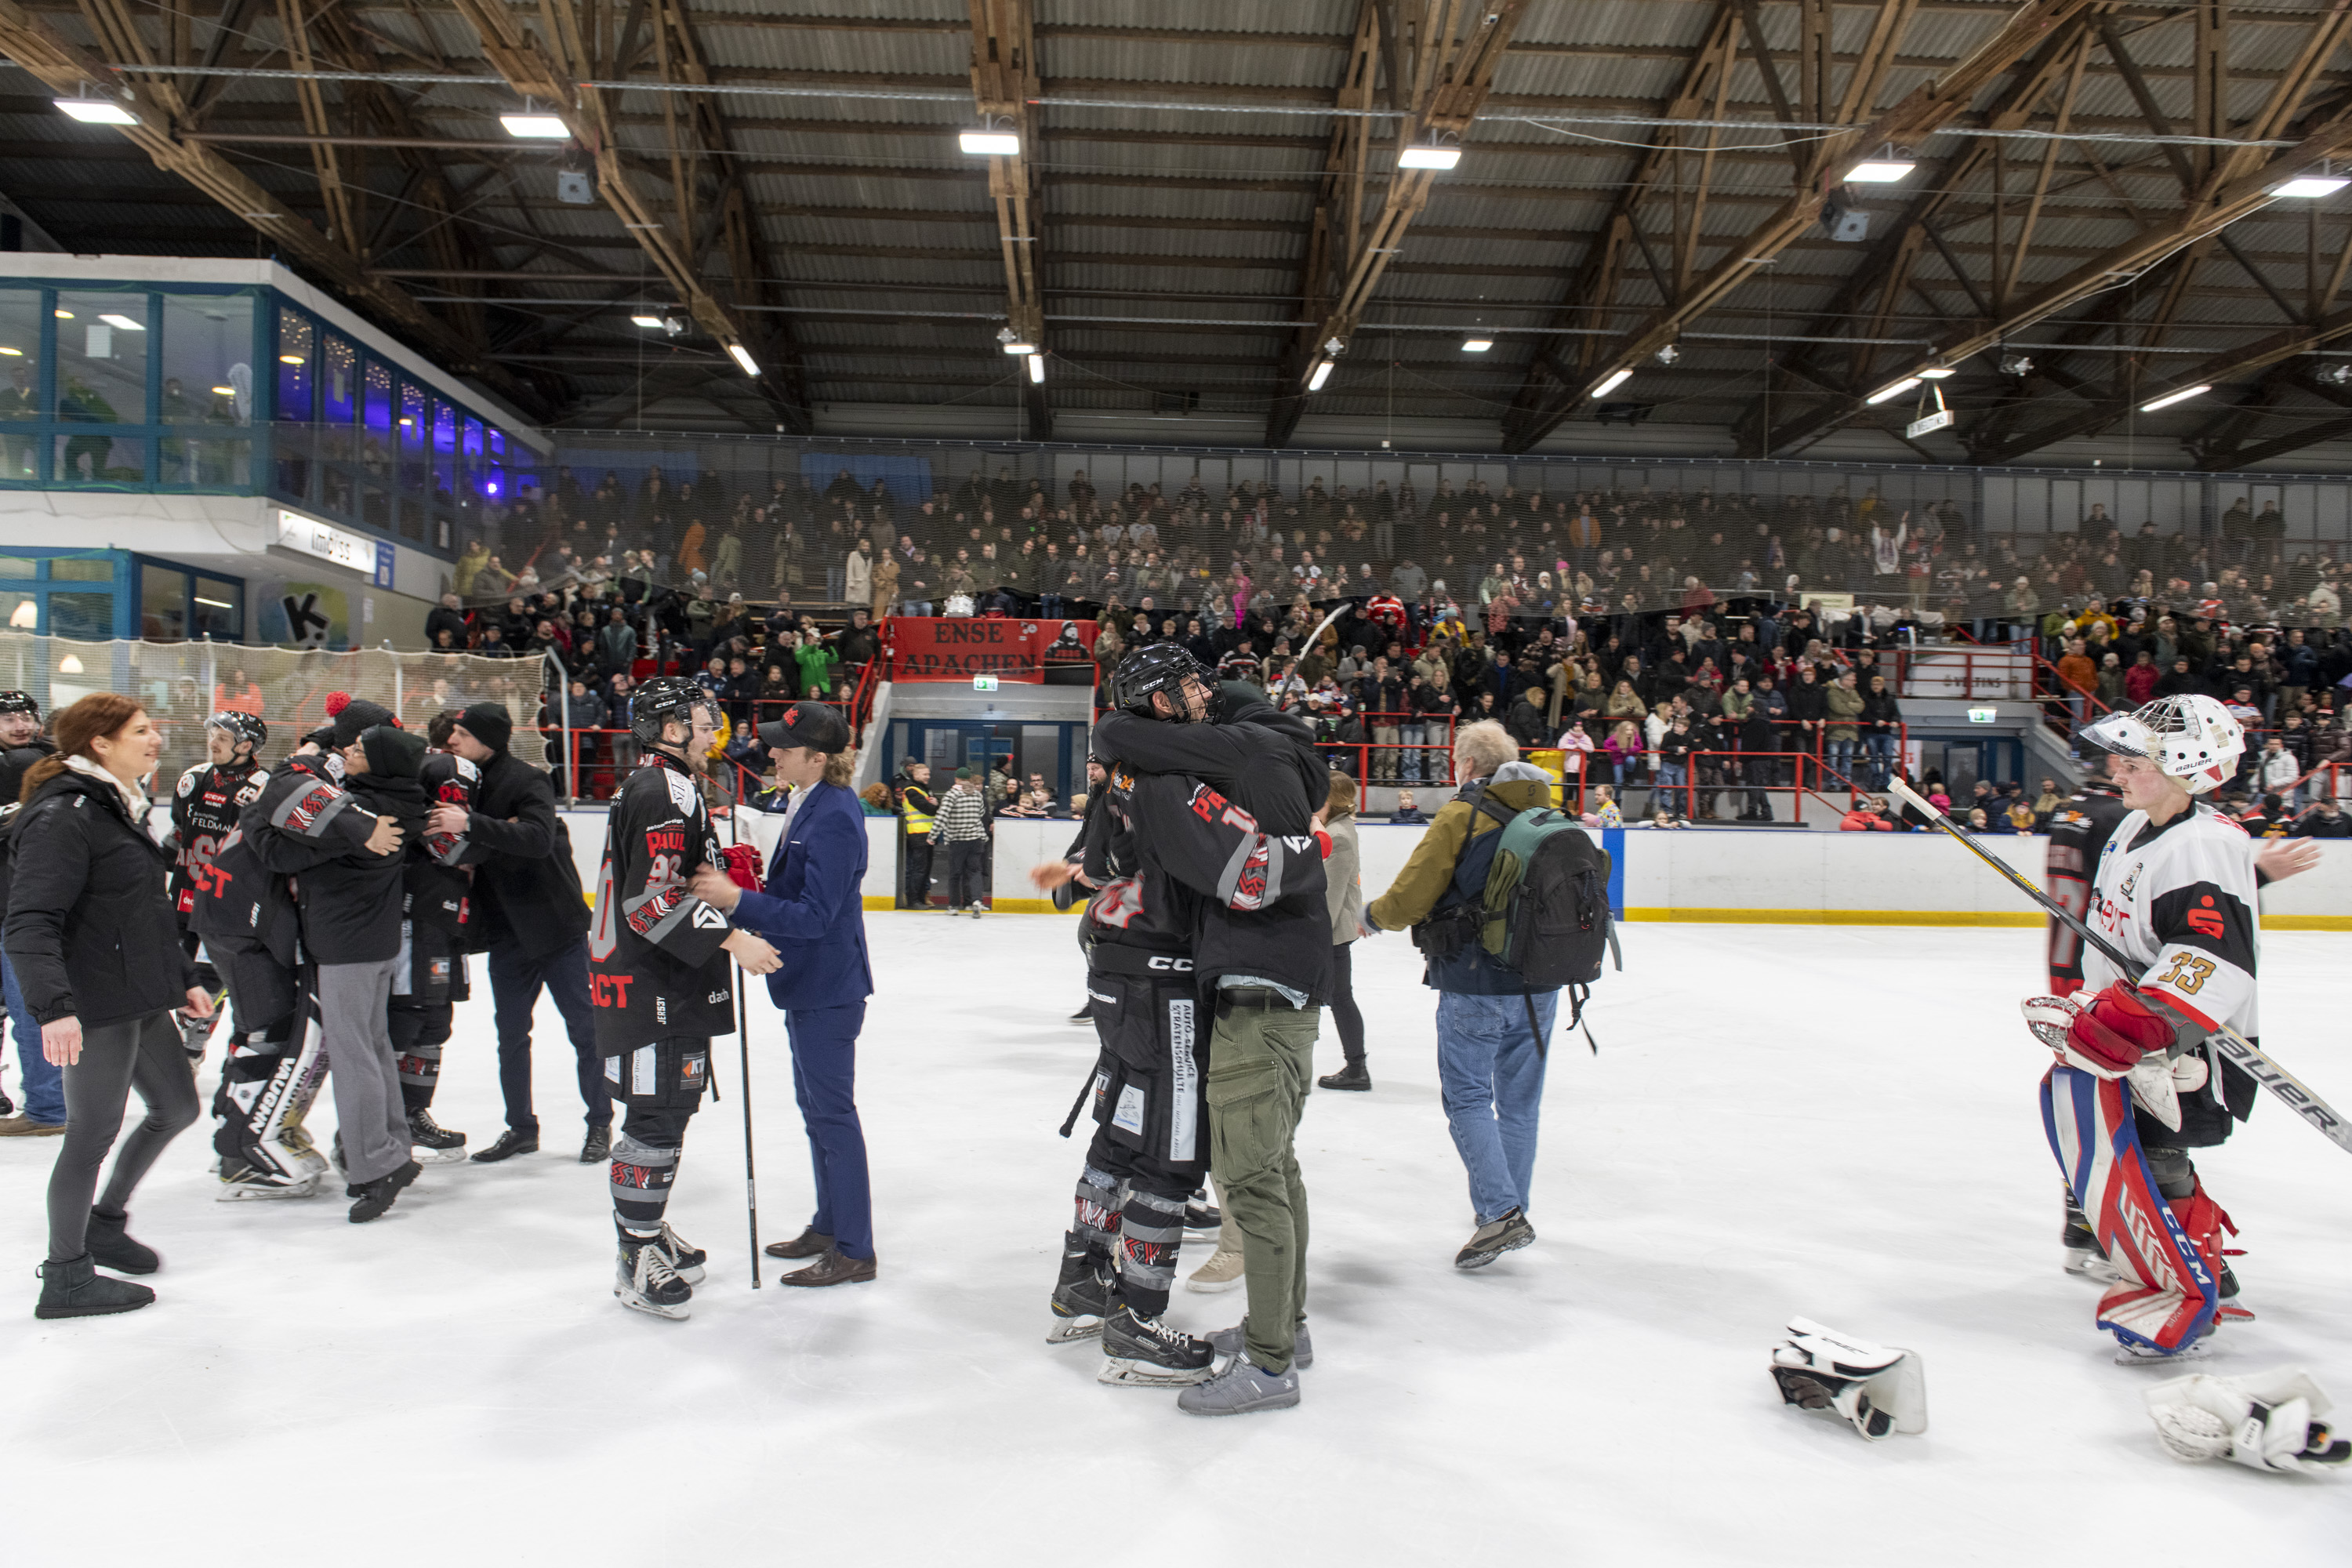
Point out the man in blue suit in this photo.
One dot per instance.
(812, 911)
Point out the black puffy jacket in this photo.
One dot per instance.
(526, 885)
(309, 827)
(89, 932)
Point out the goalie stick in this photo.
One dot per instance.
(2249, 1057)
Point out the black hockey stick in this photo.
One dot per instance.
(2249, 1057)
(743, 1040)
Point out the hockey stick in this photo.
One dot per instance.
(743, 1040)
(2249, 1057)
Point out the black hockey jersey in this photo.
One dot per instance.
(438, 882)
(205, 809)
(655, 968)
(2079, 831)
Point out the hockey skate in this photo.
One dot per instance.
(1086, 1294)
(1202, 1217)
(293, 1170)
(645, 1282)
(2084, 1254)
(683, 1260)
(432, 1144)
(2130, 1355)
(1145, 1352)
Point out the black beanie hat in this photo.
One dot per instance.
(356, 715)
(392, 754)
(490, 724)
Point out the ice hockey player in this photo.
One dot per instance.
(205, 809)
(246, 917)
(2079, 831)
(343, 850)
(2138, 1084)
(658, 982)
(431, 979)
(1262, 957)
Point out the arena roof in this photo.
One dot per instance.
(1207, 195)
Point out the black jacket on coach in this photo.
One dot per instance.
(311, 828)
(89, 932)
(525, 887)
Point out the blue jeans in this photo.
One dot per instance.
(45, 1086)
(1670, 776)
(1412, 737)
(1490, 1073)
(824, 1082)
(1881, 759)
(1841, 757)
(516, 978)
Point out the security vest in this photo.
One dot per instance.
(915, 808)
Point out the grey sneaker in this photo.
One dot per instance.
(1241, 1388)
(1491, 1240)
(1228, 1342)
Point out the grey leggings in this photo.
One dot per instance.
(145, 1054)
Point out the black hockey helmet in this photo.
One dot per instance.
(242, 729)
(662, 699)
(20, 702)
(1161, 667)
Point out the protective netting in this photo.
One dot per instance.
(182, 684)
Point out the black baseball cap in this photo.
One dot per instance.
(815, 725)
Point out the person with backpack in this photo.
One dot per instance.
(1494, 1022)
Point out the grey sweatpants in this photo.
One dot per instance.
(145, 1054)
(353, 999)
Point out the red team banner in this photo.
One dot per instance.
(956, 647)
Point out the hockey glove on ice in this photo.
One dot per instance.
(2264, 1421)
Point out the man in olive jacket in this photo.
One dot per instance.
(1490, 1061)
(1845, 704)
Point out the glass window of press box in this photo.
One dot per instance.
(95, 595)
(236, 390)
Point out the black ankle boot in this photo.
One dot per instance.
(111, 1247)
(1351, 1076)
(75, 1288)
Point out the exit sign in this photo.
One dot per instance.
(984, 683)
(1983, 715)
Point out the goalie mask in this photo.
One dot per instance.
(2192, 739)
(665, 698)
(246, 732)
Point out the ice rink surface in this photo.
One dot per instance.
(1838, 1123)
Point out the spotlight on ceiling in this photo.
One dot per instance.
(1611, 383)
(2170, 398)
(1880, 171)
(1037, 368)
(990, 143)
(1476, 345)
(1937, 373)
(1668, 354)
(647, 321)
(743, 357)
(95, 110)
(2309, 187)
(2016, 364)
(1890, 393)
(1429, 156)
(536, 127)
(1318, 375)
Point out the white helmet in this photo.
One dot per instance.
(2192, 739)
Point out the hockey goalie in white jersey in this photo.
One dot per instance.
(2138, 1085)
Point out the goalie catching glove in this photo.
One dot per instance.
(2264, 1421)
(2105, 1039)
(1880, 1389)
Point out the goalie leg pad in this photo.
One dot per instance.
(2167, 1293)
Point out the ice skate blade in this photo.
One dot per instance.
(636, 1303)
(1120, 1373)
(2092, 1267)
(424, 1156)
(2141, 1355)
(692, 1276)
(1067, 1329)
(247, 1192)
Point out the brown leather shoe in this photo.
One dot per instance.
(833, 1268)
(25, 1127)
(810, 1242)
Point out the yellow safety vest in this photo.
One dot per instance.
(918, 819)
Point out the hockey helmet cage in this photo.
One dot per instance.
(663, 699)
(2190, 737)
(1158, 666)
(242, 729)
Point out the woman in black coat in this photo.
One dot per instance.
(97, 953)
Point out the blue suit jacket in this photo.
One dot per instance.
(812, 909)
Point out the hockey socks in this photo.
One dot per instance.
(1151, 1233)
(642, 1177)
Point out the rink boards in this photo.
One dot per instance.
(1718, 875)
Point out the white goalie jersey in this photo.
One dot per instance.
(2180, 901)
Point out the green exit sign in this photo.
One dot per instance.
(1983, 715)
(984, 683)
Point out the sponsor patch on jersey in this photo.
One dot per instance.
(187, 784)
(682, 793)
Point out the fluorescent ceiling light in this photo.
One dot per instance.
(2309, 186)
(63, 315)
(743, 357)
(1880, 171)
(540, 127)
(646, 320)
(97, 111)
(1321, 374)
(990, 143)
(1611, 383)
(13, 353)
(1937, 373)
(1017, 346)
(124, 323)
(2170, 398)
(1886, 393)
(224, 392)
(1037, 368)
(215, 604)
(1476, 345)
(1429, 157)
(289, 359)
